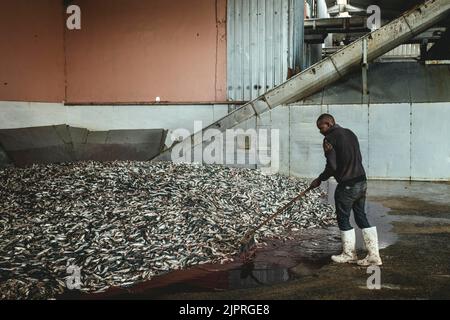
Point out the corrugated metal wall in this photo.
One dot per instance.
(258, 45)
(404, 51)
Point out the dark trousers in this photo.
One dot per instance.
(351, 197)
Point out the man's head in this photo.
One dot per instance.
(325, 122)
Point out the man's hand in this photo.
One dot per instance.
(327, 147)
(315, 184)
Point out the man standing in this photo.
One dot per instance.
(344, 162)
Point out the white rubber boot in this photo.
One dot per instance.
(371, 240)
(348, 254)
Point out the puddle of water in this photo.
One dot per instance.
(252, 275)
(211, 278)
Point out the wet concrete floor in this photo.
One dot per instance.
(413, 219)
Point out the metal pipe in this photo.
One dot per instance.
(365, 67)
(316, 49)
(298, 34)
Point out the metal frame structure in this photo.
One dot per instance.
(334, 67)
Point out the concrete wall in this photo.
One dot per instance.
(126, 51)
(102, 118)
(398, 141)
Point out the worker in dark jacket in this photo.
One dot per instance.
(344, 163)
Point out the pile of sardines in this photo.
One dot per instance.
(119, 223)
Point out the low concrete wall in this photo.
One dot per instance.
(62, 143)
(101, 118)
(4, 159)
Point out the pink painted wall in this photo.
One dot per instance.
(135, 50)
(127, 51)
(31, 50)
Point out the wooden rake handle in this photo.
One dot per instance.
(287, 205)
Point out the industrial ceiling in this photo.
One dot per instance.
(390, 8)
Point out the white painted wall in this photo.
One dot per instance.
(97, 118)
(398, 141)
